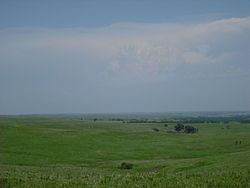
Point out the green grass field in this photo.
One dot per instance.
(46, 152)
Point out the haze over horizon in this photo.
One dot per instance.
(116, 56)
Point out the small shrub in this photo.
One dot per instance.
(166, 125)
(156, 130)
(126, 166)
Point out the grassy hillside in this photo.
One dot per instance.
(45, 152)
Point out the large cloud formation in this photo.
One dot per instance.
(125, 53)
(134, 49)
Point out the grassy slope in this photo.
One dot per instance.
(51, 152)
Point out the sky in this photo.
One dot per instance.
(82, 56)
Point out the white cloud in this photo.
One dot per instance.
(133, 50)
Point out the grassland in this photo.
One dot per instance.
(47, 152)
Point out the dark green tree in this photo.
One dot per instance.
(190, 129)
(179, 127)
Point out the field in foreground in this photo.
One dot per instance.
(46, 152)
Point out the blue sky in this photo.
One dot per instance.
(94, 13)
(124, 56)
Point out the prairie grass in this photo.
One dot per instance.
(46, 152)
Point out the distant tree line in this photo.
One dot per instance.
(245, 121)
(168, 121)
(188, 120)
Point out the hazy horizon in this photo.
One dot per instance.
(122, 57)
